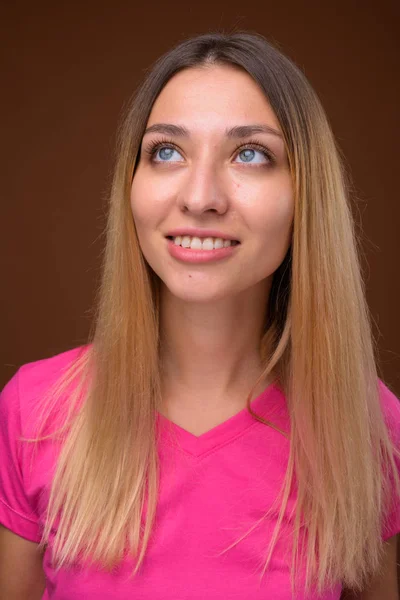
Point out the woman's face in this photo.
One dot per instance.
(212, 165)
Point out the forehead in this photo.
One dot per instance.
(217, 95)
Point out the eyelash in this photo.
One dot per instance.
(155, 145)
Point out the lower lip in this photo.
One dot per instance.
(199, 256)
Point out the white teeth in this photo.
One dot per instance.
(208, 244)
(196, 243)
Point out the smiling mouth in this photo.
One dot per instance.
(197, 243)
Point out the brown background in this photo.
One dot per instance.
(67, 72)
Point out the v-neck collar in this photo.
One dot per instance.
(267, 404)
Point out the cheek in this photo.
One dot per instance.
(144, 217)
(275, 232)
(271, 214)
(147, 201)
(278, 230)
(137, 201)
(279, 215)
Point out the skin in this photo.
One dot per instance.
(206, 182)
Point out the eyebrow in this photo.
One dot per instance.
(240, 131)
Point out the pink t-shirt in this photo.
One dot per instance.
(213, 488)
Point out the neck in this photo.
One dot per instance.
(210, 351)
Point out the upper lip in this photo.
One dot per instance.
(201, 233)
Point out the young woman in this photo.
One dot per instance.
(224, 433)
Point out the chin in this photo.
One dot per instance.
(196, 293)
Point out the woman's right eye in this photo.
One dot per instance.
(166, 154)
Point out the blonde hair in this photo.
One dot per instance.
(317, 341)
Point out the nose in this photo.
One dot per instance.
(203, 191)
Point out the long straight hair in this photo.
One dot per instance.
(317, 342)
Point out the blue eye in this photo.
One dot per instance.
(254, 154)
(165, 154)
(248, 155)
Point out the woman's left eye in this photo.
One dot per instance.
(251, 155)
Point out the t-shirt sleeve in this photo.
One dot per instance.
(391, 409)
(16, 513)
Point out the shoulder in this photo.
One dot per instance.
(23, 392)
(25, 468)
(38, 374)
(390, 405)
